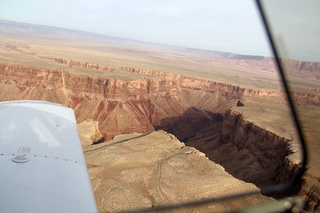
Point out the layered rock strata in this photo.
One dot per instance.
(182, 105)
(273, 153)
(248, 151)
(256, 155)
(304, 69)
(135, 106)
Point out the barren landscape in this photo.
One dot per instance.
(162, 124)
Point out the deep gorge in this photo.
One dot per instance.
(196, 111)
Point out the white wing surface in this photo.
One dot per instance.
(42, 167)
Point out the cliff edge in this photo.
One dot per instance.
(150, 170)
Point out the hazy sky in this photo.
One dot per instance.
(222, 25)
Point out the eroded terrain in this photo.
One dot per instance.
(229, 107)
(156, 169)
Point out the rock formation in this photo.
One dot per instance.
(296, 68)
(263, 154)
(89, 132)
(156, 169)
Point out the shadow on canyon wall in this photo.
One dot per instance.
(246, 151)
(187, 125)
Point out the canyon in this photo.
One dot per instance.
(167, 125)
(164, 102)
(202, 113)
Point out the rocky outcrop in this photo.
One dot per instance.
(297, 68)
(151, 170)
(301, 99)
(304, 69)
(89, 132)
(87, 65)
(271, 151)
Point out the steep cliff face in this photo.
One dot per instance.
(260, 155)
(280, 96)
(247, 151)
(88, 65)
(179, 104)
(305, 69)
(123, 107)
(296, 68)
(275, 158)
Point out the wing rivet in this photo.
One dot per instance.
(20, 159)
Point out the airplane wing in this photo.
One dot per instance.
(42, 167)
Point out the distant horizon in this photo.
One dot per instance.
(233, 26)
(98, 34)
(129, 39)
(271, 55)
(227, 26)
